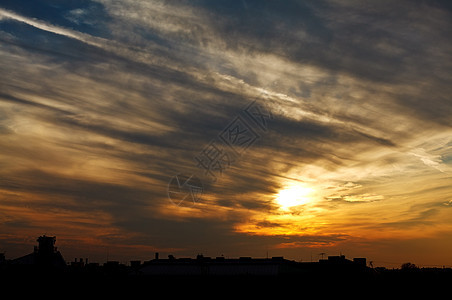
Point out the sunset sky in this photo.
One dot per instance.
(102, 102)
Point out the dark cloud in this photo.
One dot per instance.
(105, 195)
(332, 36)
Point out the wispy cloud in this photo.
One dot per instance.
(4, 14)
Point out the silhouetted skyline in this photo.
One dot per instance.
(46, 254)
(45, 265)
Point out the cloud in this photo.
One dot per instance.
(448, 203)
(357, 198)
(48, 27)
(433, 161)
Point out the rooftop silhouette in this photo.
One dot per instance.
(45, 254)
(47, 263)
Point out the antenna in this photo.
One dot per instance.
(322, 254)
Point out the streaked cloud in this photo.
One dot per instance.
(48, 27)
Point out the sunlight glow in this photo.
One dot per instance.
(293, 196)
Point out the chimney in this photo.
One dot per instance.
(156, 255)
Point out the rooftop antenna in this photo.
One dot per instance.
(322, 254)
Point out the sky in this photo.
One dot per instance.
(311, 126)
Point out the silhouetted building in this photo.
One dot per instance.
(275, 266)
(360, 261)
(135, 264)
(217, 266)
(78, 264)
(336, 259)
(45, 254)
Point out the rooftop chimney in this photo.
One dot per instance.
(46, 245)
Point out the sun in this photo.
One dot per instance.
(293, 196)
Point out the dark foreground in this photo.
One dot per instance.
(31, 280)
(44, 272)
